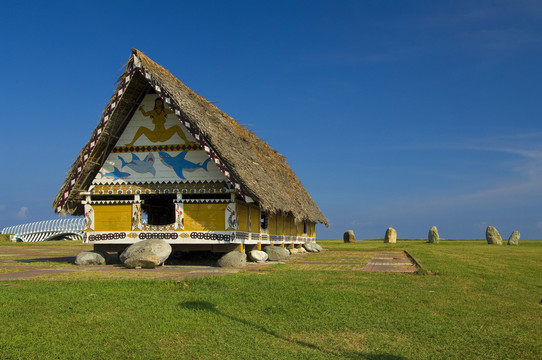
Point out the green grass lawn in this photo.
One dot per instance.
(474, 301)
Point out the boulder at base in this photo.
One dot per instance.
(258, 256)
(493, 236)
(349, 236)
(92, 258)
(233, 259)
(294, 251)
(145, 260)
(514, 238)
(156, 246)
(311, 246)
(433, 236)
(301, 250)
(391, 236)
(277, 253)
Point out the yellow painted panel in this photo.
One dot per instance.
(300, 229)
(272, 224)
(280, 224)
(290, 225)
(112, 217)
(242, 211)
(254, 220)
(200, 217)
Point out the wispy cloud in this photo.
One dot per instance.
(22, 213)
(520, 181)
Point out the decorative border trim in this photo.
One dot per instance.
(206, 201)
(109, 202)
(149, 148)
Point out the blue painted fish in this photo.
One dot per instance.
(180, 164)
(141, 166)
(116, 174)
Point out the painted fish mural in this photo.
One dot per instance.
(116, 174)
(141, 166)
(180, 164)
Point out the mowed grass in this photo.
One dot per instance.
(474, 301)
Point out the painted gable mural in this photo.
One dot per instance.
(156, 148)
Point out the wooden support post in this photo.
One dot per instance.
(241, 248)
(260, 246)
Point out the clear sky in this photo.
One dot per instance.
(392, 113)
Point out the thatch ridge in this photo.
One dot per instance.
(264, 173)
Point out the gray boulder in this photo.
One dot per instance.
(258, 256)
(277, 253)
(349, 236)
(145, 260)
(514, 238)
(94, 257)
(318, 247)
(156, 246)
(433, 236)
(310, 246)
(233, 259)
(391, 236)
(493, 236)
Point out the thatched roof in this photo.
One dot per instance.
(252, 166)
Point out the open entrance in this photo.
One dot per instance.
(158, 209)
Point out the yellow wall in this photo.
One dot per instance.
(311, 229)
(272, 224)
(290, 229)
(112, 217)
(300, 228)
(254, 220)
(204, 217)
(242, 212)
(280, 224)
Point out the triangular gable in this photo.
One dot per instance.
(112, 125)
(155, 147)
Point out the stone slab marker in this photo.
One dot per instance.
(433, 236)
(391, 236)
(514, 238)
(493, 236)
(349, 236)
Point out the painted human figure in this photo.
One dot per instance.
(159, 133)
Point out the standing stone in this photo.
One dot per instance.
(391, 236)
(493, 236)
(349, 237)
(433, 236)
(514, 238)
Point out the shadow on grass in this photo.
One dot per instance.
(212, 308)
(63, 259)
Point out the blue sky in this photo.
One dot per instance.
(392, 113)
